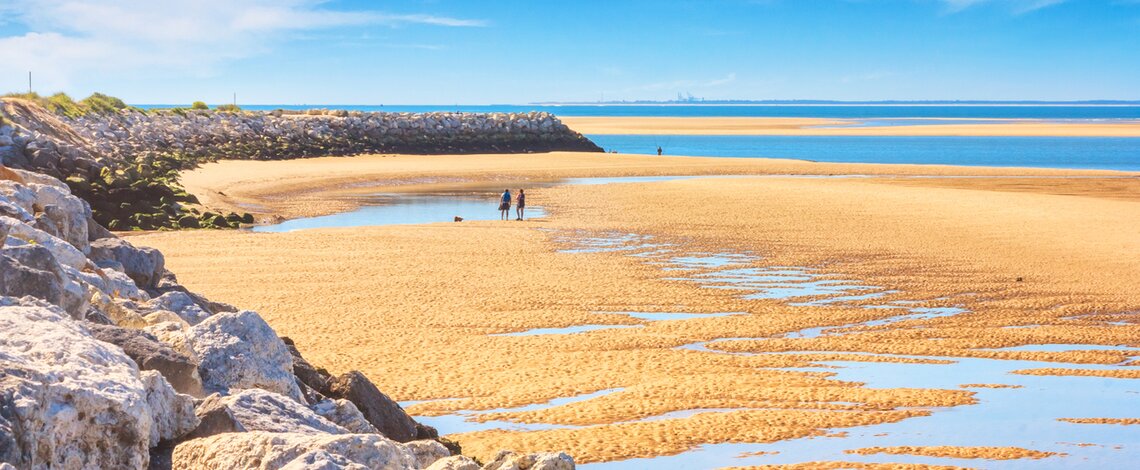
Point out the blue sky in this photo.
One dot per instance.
(516, 51)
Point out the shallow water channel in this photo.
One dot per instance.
(1023, 415)
(444, 205)
(436, 206)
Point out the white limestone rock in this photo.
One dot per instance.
(173, 335)
(19, 195)
(455, 462)
(65, 254)
(71, 218)
(143, 264)
(78, 406)
(180, 303)
(507, 460)
(238, 350)
(259, 410)
(271, 451)
(162, 316)
(173, 412)
(345, 414)
(427, 452)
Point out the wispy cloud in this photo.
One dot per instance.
(68, 38)
(1017, 7)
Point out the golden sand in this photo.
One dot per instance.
(1111, 373)
(1120, 421)
(413, 306)
(315, 186)
(849, 466)
(843, 127)
(990, 386)
(990, 453)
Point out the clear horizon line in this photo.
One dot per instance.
(1097, 102)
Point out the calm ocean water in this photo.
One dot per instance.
(823, 111)
(1043, 152)
(1048, 152)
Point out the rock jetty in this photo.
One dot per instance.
(106, 361)
(292, 134)
(125, 163)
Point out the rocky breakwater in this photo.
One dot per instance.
(125, 163)
(107, 362)
(292, 134)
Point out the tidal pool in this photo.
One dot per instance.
(392, 209)
(1025, 415)
(1021, 417)
(465, 420)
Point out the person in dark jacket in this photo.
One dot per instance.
(505, 205)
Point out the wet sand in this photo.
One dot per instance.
(317, 186)
(415, 306)
(849, 127)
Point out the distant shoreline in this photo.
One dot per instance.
(761, 126)
(1106, 103)
(876, 104)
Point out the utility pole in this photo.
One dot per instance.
(29, 82)
(235, 99)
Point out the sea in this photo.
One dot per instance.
(1100, 153)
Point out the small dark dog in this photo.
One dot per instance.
(458, 219)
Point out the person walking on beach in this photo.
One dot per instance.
(505, 205)
(520, 202)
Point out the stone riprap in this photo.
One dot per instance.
(102, 354)
(291, 134)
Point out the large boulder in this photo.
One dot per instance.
(169, 283)
(383, 412)
(181, 304)
(173, 412)
(150, 354)
(17, 194)
(67, 212)
(214, 418)
(455, 462)
(427, 452)
(315, 378)
(259, 410)
(144, 265)
(66, 291)
(112, 283)
(65, 254)
(507, 460)
(18, 280)
(67, 400)
(174, 336)
(240, 351)
(262, 450)
(344, 414)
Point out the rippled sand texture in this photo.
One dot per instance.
(991, 453)
(849, 127)
(414, 307)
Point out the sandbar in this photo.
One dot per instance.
(849, 127)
